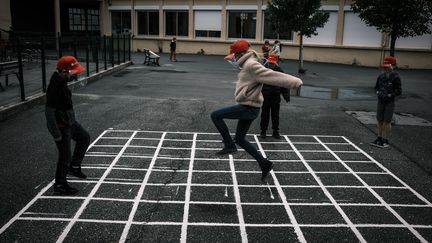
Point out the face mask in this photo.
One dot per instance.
(234, 63)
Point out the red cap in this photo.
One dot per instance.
(237, 46)
(388, 61)
(69, 63)
(272, 58)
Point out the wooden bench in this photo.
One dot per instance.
(6, 69)
(150, 57)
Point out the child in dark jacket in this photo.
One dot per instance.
(173, 47)
(272, 100)
(62, 125)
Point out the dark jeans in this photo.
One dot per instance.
(82, 139)
(270, 106)
(245, 116)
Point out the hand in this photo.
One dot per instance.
(58, 139)
(389, 95)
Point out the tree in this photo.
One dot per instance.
(301, 16)
(398, 18)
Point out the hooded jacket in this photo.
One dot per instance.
(59, 108)
(253, 75)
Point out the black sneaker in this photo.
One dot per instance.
(377, 142)
(77, 173)
(276, 134)
(266, 169)
(226, 151)
(385, 143)
(64, 189)
(263, 134)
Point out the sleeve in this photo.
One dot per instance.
(267, 76)
(286, 94)
(377, 85)
(398, 88)
(51, 122)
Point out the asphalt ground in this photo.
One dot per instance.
(177, 98)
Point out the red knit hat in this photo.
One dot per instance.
(237, 46)
(69, 63)
(272, 58)
(388, 61)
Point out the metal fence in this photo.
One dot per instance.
(25, 59)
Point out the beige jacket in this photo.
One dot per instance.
(252, 77)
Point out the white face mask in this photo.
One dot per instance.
(234, 63)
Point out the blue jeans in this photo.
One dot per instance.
(245, 116)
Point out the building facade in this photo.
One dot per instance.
(210, 25)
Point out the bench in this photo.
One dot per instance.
(150, 57)
(6, 69)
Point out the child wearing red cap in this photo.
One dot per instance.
(387, 87)
(272, 98)
(62, 125)
(249, 100)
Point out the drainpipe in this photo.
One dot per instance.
(57, 21)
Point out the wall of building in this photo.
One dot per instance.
(344, 39)
(5, 17)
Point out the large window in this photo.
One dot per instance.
(207, 23)
(176, 23)
(357, 33)
(241, 24)
(148, 23)
(83, 19)
(326, 34)
(120, 22)
(270, 33)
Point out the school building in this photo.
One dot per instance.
(211, 25)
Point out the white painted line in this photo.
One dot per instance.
(282, 196)
(402, 220)
(96, 140)
(390, 173)
(243, 233)
(12, 220)
(93, 192)
(327, 193)
(126, 229)
(183, 237)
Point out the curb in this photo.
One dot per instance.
(10, 110)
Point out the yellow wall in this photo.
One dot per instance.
(5, 16)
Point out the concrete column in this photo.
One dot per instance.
(224, 18)
(191, 20)
(340, 23)
(57, 16)
(5, 18)
(161, 20)
(259, 21)
(133, 18)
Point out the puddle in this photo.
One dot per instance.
(336, 93)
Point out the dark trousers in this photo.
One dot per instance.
(77, 133)
(173, 55)
(245, 116)
(270, 105)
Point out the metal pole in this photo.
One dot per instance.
(87, 56)
(104, 52)
(75, 47)
(43, 64)
(60, 54)
(96, 55)
(20, 70)
(129, 46)
(118, 49)
(124, 47)
(112, 50)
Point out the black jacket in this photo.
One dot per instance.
(388, 86)
(273, 93)
(59, 108)
(173, 45)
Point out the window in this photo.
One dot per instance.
(120, 22)
(83, 19)
(269, 33)
(357, 33)
(148, 23)
(208, 24)
(326, 34)
(241, 24)
(176, 23)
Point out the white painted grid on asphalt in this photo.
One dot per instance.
(180, 143)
